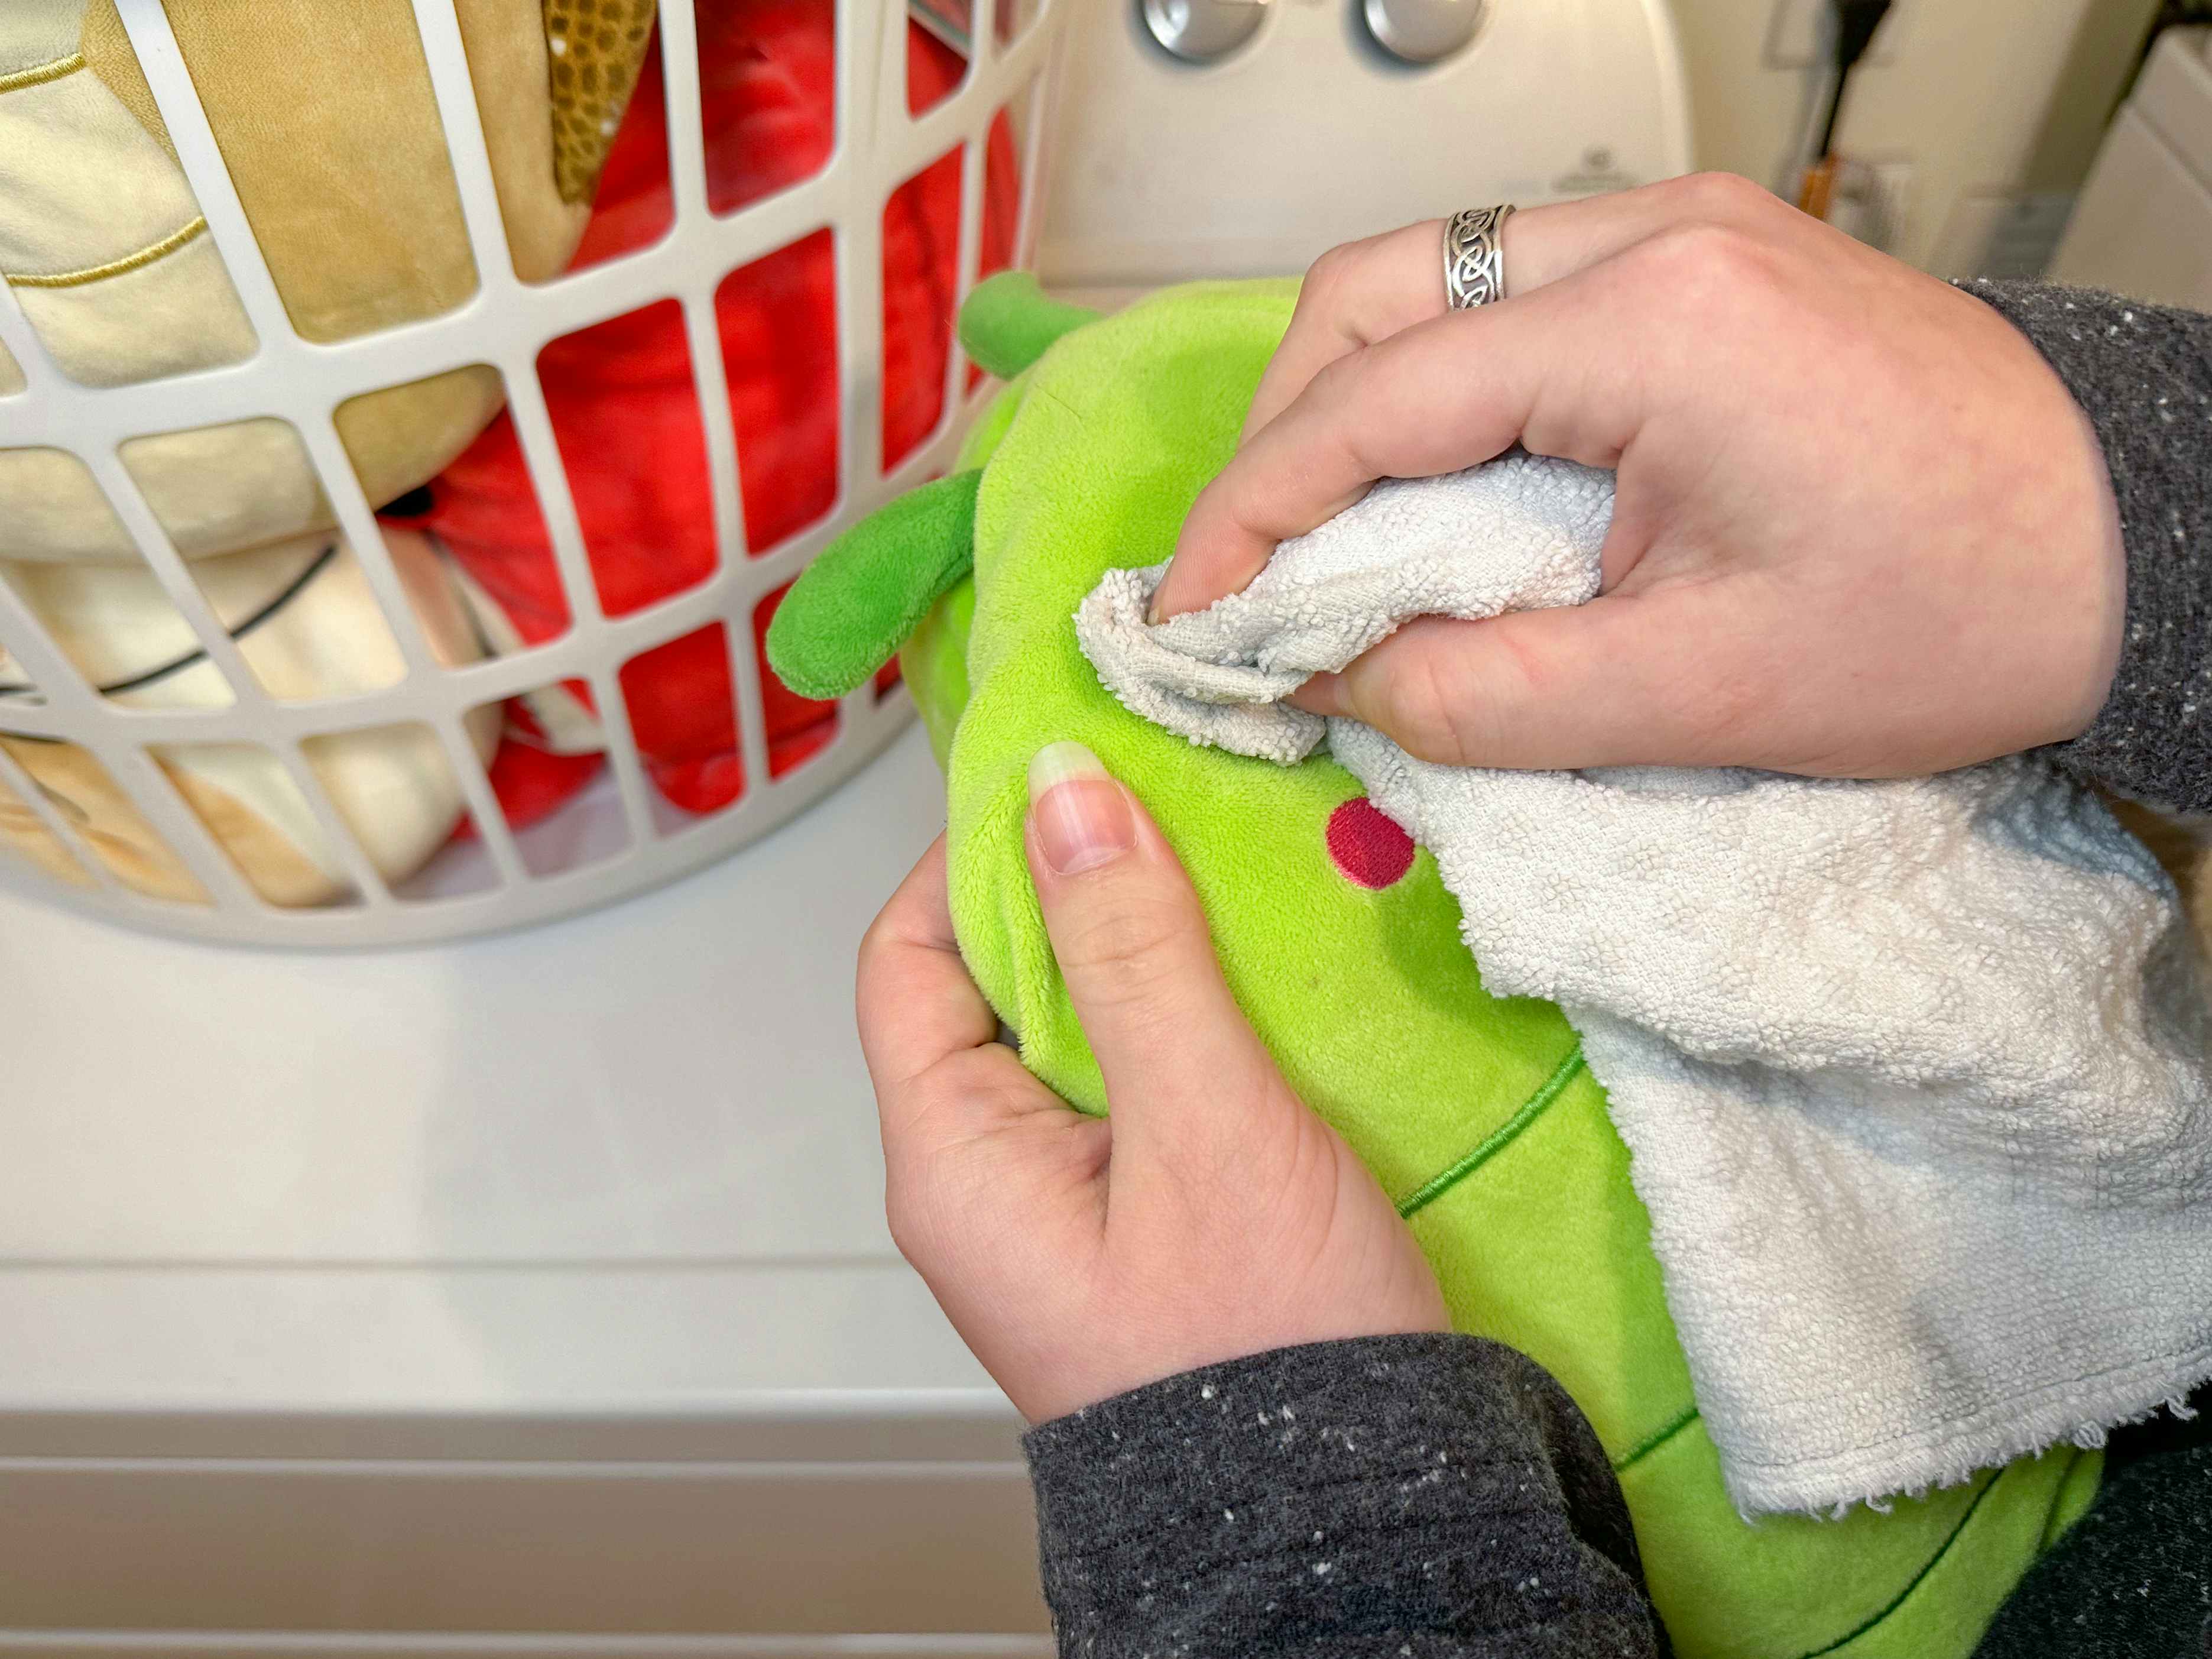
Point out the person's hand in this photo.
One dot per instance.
(1861, 528)
(1210, 1216)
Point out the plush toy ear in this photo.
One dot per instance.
(855, 606)
(1007, 322)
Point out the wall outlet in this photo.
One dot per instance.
(1801, 33)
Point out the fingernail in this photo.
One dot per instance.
(1082, 817)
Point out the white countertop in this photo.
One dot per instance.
(621, 1165)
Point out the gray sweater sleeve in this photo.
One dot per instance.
(1408, 1498)
(1440, 1496)
(2143, 374)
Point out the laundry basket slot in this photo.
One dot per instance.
(392, 498)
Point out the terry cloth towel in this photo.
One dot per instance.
(1914, 1074)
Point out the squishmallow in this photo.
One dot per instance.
(1342, 946)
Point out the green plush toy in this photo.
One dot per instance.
(1342, 946)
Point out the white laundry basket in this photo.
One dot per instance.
(619, 837)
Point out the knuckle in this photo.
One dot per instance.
(1129, 929)
(1425, 707)
(1691, 249)
(875, 944)
(1126, 950)
(933, 1147)
(1224, 510)
(907, 1213)
(1325, 274)
(1702, 265)
(1214, 501)
(1728, 198)
(1340, 380)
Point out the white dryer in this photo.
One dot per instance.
(2143, 226)
(1243, 137)
(530, 1295)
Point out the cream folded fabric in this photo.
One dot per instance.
(319, 634)
(352, 201)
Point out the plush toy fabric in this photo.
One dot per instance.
(109, 825)
(23, 834)
(352, 201)
(1923, 1204)
(621, 401)
(1342, 946)
(351, 194)
(100, 235)
(309, 627)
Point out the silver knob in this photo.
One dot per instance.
(1421, 31)
(1201, 31)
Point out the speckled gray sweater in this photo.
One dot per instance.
(1412, 1496)
(2143, 374)
(1440, 1496)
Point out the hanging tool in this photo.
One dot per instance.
(1855, 23)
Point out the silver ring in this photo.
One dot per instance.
(1474, 256)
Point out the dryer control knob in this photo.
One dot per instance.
(1201, 31)
(1421, 31)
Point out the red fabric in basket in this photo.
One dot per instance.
(622, 400)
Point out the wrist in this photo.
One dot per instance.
(2104, 610)
(1056, 1389)
(1293, 1487)
(2075, 507)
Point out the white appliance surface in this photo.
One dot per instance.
(530, 1284)
(532, 1295)
(1309, 135)
(2143, 226)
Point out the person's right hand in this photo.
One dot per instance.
(1861, 528)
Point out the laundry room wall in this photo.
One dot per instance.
(1976, 119)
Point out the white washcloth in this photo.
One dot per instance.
(1914, 1073)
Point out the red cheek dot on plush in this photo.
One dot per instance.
(1369, 848)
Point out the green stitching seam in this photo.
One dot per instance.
(1942, 1550)
(1495, 1142)
(1622, 1465)
(2044, 1539)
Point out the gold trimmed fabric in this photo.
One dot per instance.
(39, 74)
(145, 256)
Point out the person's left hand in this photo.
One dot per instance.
(1213, 1216)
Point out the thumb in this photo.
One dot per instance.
(1662, 676)
(1181, 1062)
